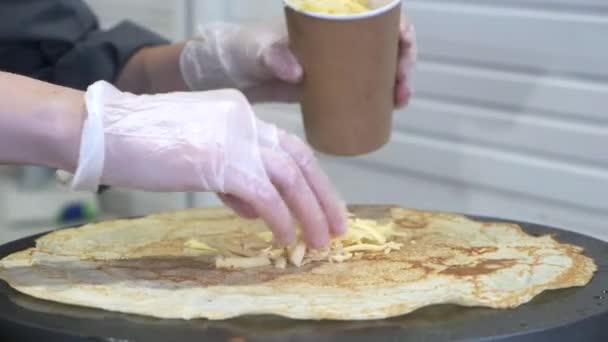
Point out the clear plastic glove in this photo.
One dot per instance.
(207, 141)
(257, 60)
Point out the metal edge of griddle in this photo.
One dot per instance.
(22, 331)
(592, 326)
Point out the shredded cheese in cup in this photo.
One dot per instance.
(332, 6)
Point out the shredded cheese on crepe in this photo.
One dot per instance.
(363, 236)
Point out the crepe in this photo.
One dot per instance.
(147, 266)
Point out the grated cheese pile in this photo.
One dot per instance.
(332, 6)
(257, 249)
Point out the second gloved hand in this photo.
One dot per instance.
(207, 141)
(257, 60)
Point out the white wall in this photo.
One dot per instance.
(509, 117)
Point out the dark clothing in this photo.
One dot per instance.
(59, 41)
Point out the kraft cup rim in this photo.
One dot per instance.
(369, 14)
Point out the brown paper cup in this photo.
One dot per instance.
(350, 63)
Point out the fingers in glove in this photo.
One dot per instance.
(403, 90)
(264, 198)
(285, 174)
(242, 208)
(403, 93)
(408, 49)
(402, 86)
(303, 157)
(279, 59)
(404, 64)
(410, 37)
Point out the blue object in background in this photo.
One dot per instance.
(77, 212)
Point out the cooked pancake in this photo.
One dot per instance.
(208, 263)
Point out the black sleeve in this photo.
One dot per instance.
(59, 41)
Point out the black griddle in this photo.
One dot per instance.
(562, 315)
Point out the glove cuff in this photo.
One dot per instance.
(92, 146)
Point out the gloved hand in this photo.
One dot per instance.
(207, 141)
(257, 60)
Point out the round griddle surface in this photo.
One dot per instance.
(577, 313)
